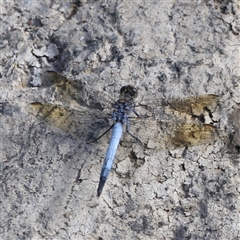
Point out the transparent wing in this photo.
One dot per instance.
(175, 123)
(171, 135)
(183, 108)
(80, 123)
(69, 91)
(81, 113)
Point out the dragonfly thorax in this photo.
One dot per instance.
(123, 109)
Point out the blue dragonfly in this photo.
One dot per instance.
(78, 108)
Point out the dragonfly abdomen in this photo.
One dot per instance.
(111, 152)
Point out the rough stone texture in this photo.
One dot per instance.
(166, 49)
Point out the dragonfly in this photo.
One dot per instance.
(76, 108)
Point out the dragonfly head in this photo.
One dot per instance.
(128, 92)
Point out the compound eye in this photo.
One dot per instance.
(124, 89)
(129, 90)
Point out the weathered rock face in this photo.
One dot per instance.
(166, 49)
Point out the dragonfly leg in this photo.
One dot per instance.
(127, 130)
(101, 135)
(135, 112)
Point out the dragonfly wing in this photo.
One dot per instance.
(195, 105)
(68, 91)
(193, 134)
(79, 123)
(169, 135)
(181, 108)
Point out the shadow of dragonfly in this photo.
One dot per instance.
(78, 110)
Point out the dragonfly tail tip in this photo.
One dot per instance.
(98, 195)
(101, 185)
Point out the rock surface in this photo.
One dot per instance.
(167, 49)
